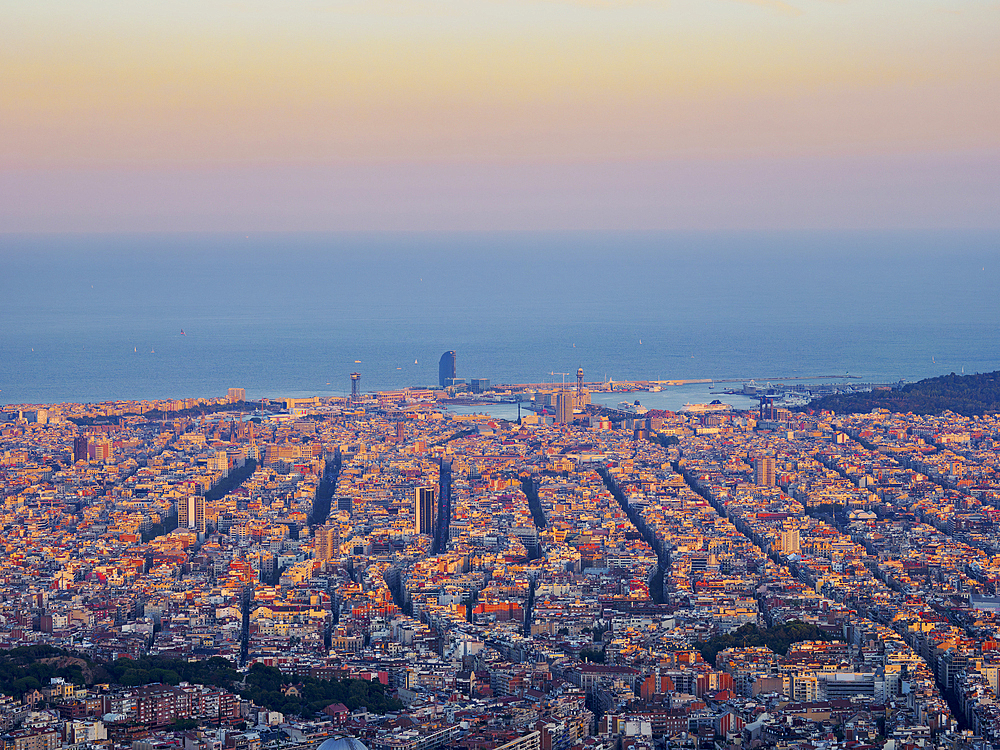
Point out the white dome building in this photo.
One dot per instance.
(342, 743)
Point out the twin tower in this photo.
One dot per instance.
(424, 510)
(432, 509)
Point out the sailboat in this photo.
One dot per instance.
(182, 332)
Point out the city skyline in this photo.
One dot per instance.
(246, 503)
(653, 577)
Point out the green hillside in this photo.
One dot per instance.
(969, 395)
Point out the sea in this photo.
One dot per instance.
(90, 318)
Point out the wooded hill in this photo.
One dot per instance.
(31, 667)
(969, 395)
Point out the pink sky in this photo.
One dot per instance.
(441, 114)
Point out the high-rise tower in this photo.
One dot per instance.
(191, 513)
(446, 368)
(789, 541)
(564, 406)
(582, 394)
(327, 542)
(355, 387)
(423, 510)
(81, 449)
(443, 522)
(763, 471)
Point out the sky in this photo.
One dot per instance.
(254, 115)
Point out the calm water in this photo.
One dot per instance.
(91, 318)
(671, 398)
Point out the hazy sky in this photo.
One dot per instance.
(439, 114)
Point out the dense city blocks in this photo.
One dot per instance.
(376, 571)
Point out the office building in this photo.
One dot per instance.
(327, 542)
(443, 514)
(191, 513)
(423, 510)
(102, 450)
(763, 471)
(479, 385)
(81, 450)
(446, 369)
(790, 541)
(564, 407)
(235, 395)
(268, 563)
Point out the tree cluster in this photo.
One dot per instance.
(22, 669)
(778, 638)
(217, 671)
(29, 668)
(264, 686)
(595, 655)
(234, 479)
(968, 395)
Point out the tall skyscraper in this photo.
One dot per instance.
(564, 406)
(443, 522)
(191, 513)
(763, 471)
(423, 510)
(446, 368)
(80, 449)
(355, 387)
(327, 542)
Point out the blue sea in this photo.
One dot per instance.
(99, 317)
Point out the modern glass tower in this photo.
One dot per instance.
(423, 510)
(446, 369)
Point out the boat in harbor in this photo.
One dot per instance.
(705, 408)
(630, 408)
(791, 400)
